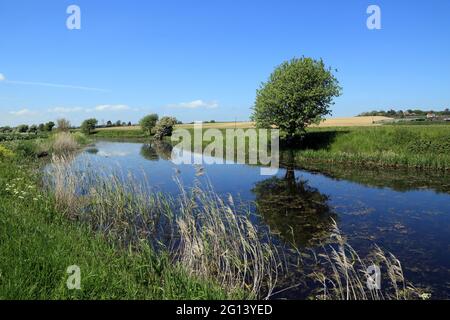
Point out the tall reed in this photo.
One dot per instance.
(347, 276)
(219, 240)
(64, 144)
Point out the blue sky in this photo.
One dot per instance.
(203, 60)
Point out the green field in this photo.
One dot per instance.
(126, 132)
(421, 147)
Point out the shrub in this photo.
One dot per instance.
(26, 149)
(164, 127)
(49, 126)
(5, 153)
(88, 126)
(22, 128)
(80, 138)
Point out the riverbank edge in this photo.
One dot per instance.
(38, 245)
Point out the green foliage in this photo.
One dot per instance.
(22, 128)
(6, 129)
(49, 126)
(120, 134)
(13, 136)
(38, 244)
(299, 92)
(80, 138)
(425, 147)
(148, 123)
(33, 129)
(5, 153)
(164, 127)
(26, 149)
(407, 113)
(88, 126)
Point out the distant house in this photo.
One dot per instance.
(431, 115)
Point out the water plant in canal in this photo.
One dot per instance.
(344, 275)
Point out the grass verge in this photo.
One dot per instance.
(420, 147)
(38, 244)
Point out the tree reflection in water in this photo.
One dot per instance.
(157, 150)
(297, 212)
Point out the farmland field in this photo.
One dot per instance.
(332, 122)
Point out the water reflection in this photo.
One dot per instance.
(92, 150)
(297, 212)
(405, 212)
(156, 150)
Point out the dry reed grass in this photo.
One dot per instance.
(64, 144)
(345, 275)
(219, 241)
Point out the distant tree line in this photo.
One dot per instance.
(151, 124)
(118, 123)
(24, 128)
(404, 113)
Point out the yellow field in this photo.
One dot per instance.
(353, 122)
(333, 122)
(221, 125)
(119, 128)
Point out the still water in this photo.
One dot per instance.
(406, 213)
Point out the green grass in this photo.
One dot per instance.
(122, 133)
(37, 244)
(422, 147)
(21, 136)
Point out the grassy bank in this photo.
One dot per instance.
(421, 147)
(38, 243)
(418, 147)
(425, 147)
(119, 133)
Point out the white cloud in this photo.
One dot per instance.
(99, 108)
(196, 104)
(2, 77)
(22, 113)
(66, 110)
(112, 107)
